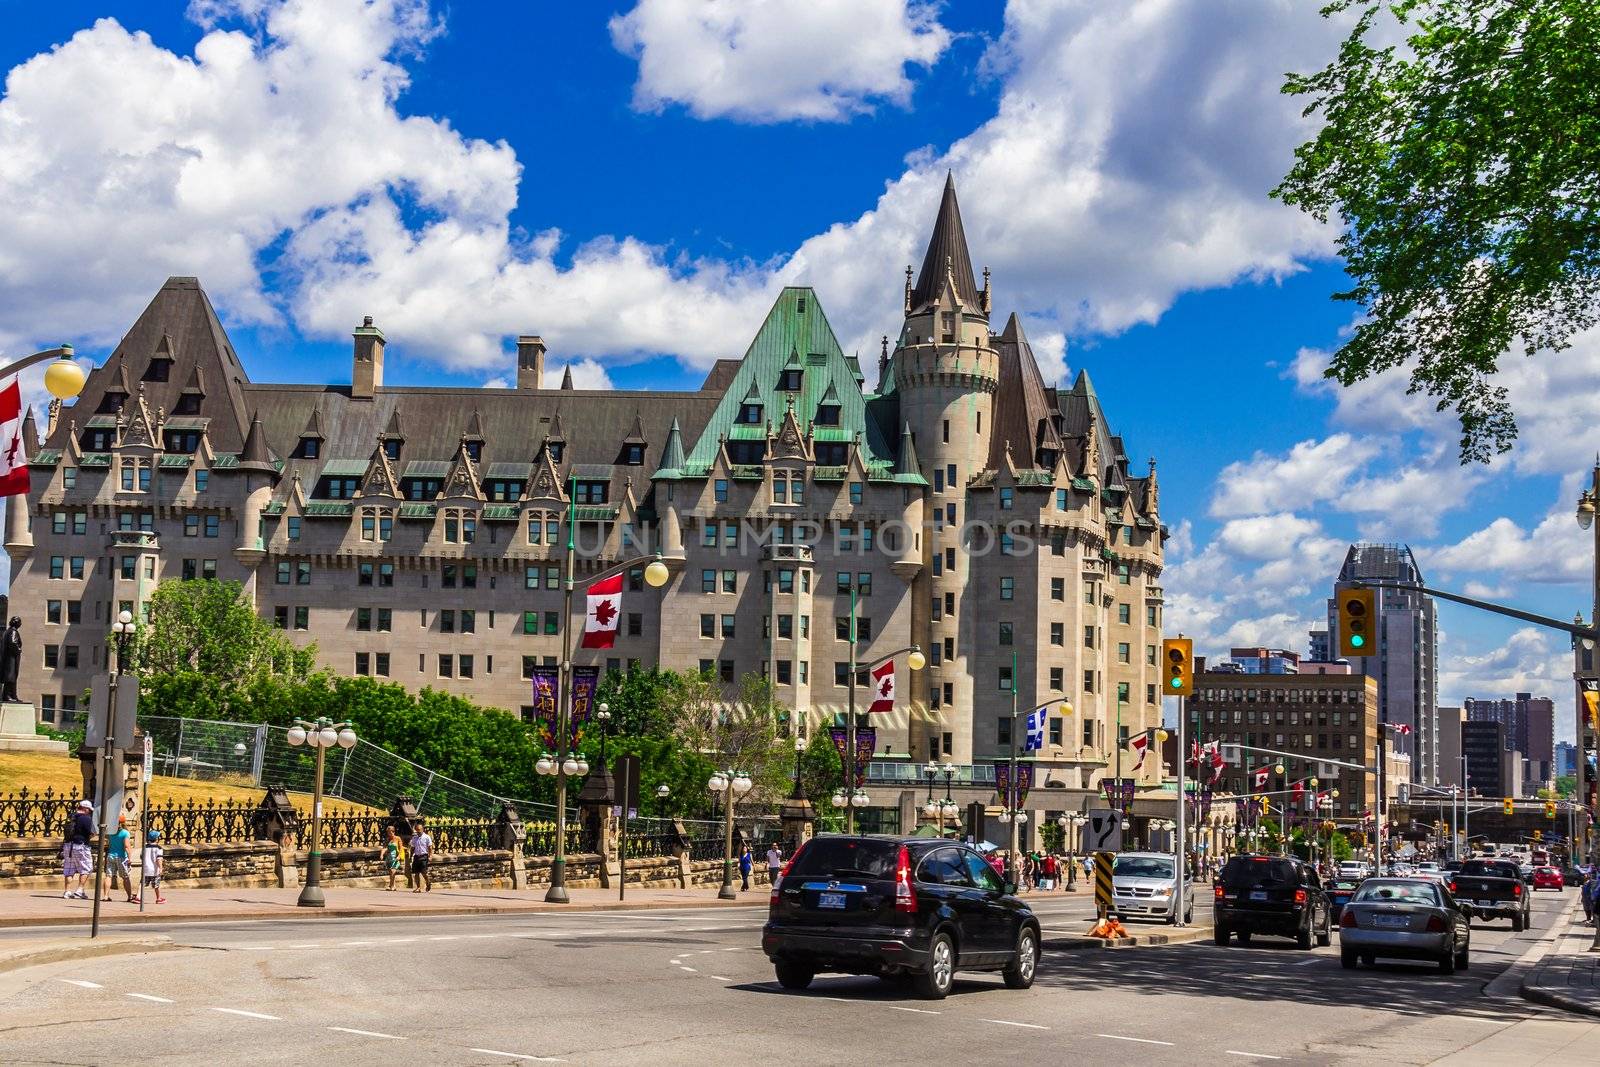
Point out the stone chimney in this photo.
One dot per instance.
(530, 362)
(367, 374)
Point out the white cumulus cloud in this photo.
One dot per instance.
(774, 60)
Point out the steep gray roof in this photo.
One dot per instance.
(947, 249)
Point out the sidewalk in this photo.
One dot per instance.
(38, 907)
(1568, 977)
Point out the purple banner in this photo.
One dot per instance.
(866, 745)
(1119, 791)
(1013, 793)
(585, 680)
(545, 682)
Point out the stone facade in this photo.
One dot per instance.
(419, 534)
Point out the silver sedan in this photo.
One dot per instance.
(1405, 918)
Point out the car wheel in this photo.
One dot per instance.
(1447, 963)
(1244, 937)
(1369, 959)
(1325, 938)
(935, 982)
(1219, 934)
(1019, 972)
(1188, 917)
(1516, 924)
(1463, 958)
(794, 975)
(1347, 958)
(1302, 938)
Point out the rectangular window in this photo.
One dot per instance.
(280, 617)
(797, 491)
(1058, 589)
(69, 477)
(385, 574)
(1088, 681)
(1123, 615)
(1002, 732)
(530, 625)
(1008, 588)
(464, 666)
(191, 526)
(1005, 498)
(1057, 678)
(1122, 692)
(730, 581)
(635, 624)
(213, 525)
(552, 623)
(363, 618)
(708, 581)
(58, 566)
(856, 492)
(302, 618)
(293, 525)
(52, 657)
(52, 611)
(469, 621)
(302, 574)
(1005, 680)
(720, 490)
(1088, 637)
(1123, 652)
(75, 567)
(1055, 730)
(1058, 634)
(382, 668)
(727, 626)
(1150, 615)
(362, 663)
(780, 490)
(385, 620)
(1005, 633)
(725, 670)
(447, 665)
(447, 576)
(708, 625)
(129, 567)
(80, 522)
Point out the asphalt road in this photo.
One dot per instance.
(691, 986)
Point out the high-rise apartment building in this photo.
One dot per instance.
(1405, 661)
(418, 533)
(1451, 770)
(1530, 731)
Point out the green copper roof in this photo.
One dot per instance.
(796, 324)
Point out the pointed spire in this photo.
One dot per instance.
(120, 384)
(461, 483)
(393, 427)
(30, 432)
(1152, 498)
(566, 377)
(256, 456)
(474, 427)
(1082, 386)
(380, 480)
(947, 253)
(636, 435)
(672, 451)
(314, 426)
(557, 431)
(908, 453)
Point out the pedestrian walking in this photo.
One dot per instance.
(76, 860)
(774, 863)
(117, 860)
(1590, 892)
(746, 862)
(421, 854)
(153, 865)
(391, 856)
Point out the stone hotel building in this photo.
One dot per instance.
(416, 533)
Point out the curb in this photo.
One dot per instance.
(82, 950)
(373, 912)
(1177, 937)
(1550, 998)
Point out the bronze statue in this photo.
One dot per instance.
(11, 661)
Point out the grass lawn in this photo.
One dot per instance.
(41, 770)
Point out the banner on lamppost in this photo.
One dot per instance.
(1013, 792)
(546, 680)
(585, 680)
(866, 745)
(1119, 791)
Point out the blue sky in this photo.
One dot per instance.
(635, 180)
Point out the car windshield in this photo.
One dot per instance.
(1257, 872)
(1400, 892)
(864, 858)
(1142, 867)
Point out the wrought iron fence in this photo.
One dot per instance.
(706, 847)
(192, 822)
(355, 831)
(460, 835)
(36, 813)
(654, 837)
(541, 839)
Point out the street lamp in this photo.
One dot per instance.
(735, 784)
(850, 773)
(321, 735)
(1070, 822)
(662, 793)
(63, 379)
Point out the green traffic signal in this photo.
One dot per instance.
(1357, 640)
(1177, 683)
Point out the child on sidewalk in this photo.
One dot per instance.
(117, 860)
(152, 864)
(391, 856)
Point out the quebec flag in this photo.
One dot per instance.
(1035, 740)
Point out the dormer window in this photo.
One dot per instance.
(112, 402)
(789, 381)
(593, 492)
(556, 450)
(309, 448)
(337, 488)
(947, 326)
(750, 414)
(96, 440)
(504, 490)
(391, 447)
(828, 415)
(184, 441)
(188, 404)
(160, 369)
(832, 454)
(475, 450)
(747, 452)
(633, 455)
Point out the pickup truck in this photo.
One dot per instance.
(1494, 889)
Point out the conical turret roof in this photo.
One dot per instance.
(947, 250)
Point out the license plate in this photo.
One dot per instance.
(1258, 894)
(1390, 920)
(1485, 903)
(831, 900)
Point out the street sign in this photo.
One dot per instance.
(123, 725)
(625, 772)
(1103, 864)
(1102, 831)
(1232, 754)
(149, 760)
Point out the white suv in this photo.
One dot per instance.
(1143, 886)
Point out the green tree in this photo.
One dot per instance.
(208, 628)
(1339, 847)
(1567, 785)
(734, 728)
(1464, 168)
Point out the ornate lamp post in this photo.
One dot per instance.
(735, 785)
(321, 735)
(1070, 823)
(122, 630)
(662, 793)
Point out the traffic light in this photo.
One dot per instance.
(1357, 608)
(1550, 809)
(1509, 807)
(1178, 655)
(1266, 805)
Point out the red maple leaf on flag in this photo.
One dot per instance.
(886, 688)
(604, 612)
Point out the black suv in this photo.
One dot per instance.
(1271, 895)
(909, 910)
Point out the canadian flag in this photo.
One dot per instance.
(13, 459)
(1261, 777)
(605, 609)
(1140, 744)
(1217, 762)
(883, 688)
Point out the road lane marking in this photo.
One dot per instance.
(919, 1011)
(1028, 1026)
(1302, 963)
(366, 1033)
(518, 1055)
(719, 977)
(247, 1014)
(1141, 1040)
(446, 937)
(147, 996)
(691, 970)
(351, 944)
(1256, 1055)
(81, 983)
(309, 944)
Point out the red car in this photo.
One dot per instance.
(1548, 878)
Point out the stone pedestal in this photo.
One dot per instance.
(17, 731)
(798, 819)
